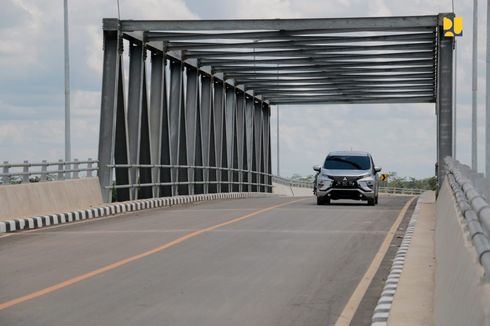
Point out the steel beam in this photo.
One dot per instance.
(334, 64)
(230, 116)
(249, 137)
(318, 50)
(175, 103)
(157, 95)
(355, 24)
(444, 99)
(206, 124)
(145, 142)
(346, 94)
(284, 35)
(219, 132)
(109, 99)
(337, 77)
(258, 150)
(240, 136)
(165, 151)
(191, 111)
(299, 42)
(282, 72)
(346, 90)
(312, 60)
(344, 86)
(121, 150)
(379, 100)
(323, 83)
(266, 143)
(135, 99)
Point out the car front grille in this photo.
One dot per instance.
(344, 182)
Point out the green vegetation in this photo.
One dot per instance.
(394, 181)
(408, 182)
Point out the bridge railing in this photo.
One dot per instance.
(470, 190)
(292, 182)
(223, 178)
(25, 172)
(401, 191)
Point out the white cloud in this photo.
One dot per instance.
(265, 9)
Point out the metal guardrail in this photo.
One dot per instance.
(292, 183)
(469, 189)
(401, 191)
(235, 176)
(12, 173)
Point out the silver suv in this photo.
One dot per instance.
(347, 175)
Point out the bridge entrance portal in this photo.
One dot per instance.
(193, 116)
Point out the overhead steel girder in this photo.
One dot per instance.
(344, 100)
(298, 42)
(303, 94)
(284, 72)
(282, 35)
(323, 83)
(272, 89)
(333, 82)
(317, 50)
(355, 24)
(335, 64)
(336, 77)
(308, 60)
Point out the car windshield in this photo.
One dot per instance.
(347, 162)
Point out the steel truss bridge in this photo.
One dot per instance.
(193, 116)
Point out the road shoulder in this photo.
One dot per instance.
(413, 301)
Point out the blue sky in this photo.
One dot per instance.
(400, 137)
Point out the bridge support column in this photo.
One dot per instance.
(444, 104)
(249, 139)
(157, 110)
(207, 134)
(219, 131)
(191, 112)
(109, 104)
(230, 114)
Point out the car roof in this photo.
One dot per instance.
(349, 153)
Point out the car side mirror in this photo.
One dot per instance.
(316, 168)
(377, 169)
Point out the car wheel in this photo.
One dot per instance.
(319, 201)
(371, 202)
(376, 200)
(326, 201)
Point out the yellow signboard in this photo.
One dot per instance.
(383, 177)
(453, 26)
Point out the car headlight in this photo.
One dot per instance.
(324, 182)
(366, 183)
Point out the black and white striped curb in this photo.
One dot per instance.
(383, 307)
(116, 208)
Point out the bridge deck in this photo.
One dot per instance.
(295, 264)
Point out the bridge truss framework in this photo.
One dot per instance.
(193, 116)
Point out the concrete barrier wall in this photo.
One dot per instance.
(462, 295)
(42, 198)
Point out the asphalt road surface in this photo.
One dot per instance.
(266, 261)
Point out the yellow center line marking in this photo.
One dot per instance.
(107, 268)
(350, 308)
